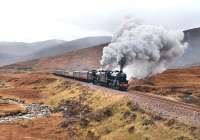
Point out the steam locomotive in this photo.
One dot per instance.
(112, 79)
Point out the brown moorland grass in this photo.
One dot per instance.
(37, 129)
(7, 108)
(124, 122)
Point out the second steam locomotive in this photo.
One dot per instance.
(112, 79)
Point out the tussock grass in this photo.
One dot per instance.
(127, 121)
(8, 109)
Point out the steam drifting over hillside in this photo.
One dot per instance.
(143, 50)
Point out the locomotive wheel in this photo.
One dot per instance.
(110, 85)
(117, 85)
(95, 82)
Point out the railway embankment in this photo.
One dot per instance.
(87, 111)
(166, 108)
(94, 112)
(169, 109)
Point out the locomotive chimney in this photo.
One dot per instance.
(122, 63)
(121, 68)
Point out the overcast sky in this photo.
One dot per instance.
(35, 20)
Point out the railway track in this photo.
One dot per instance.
(162, 99)
(154, 97)
(166, 108)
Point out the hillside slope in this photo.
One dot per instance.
(83, 59)
(191, 55)
(177, 84)
(19, 51)
(83, 113)
(71, 46)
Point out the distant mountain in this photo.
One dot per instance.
(4, 56)
(192, 53)
(72, 46)
(21, 48)
(81, 59)
(7, 58)
(12, 52)
(51, 48)
(82, 55)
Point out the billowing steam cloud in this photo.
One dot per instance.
(142, 50)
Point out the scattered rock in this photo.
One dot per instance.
(92, 136)
(144, 116)
(156, 117)
(182, 138)
(84, 122)
(146, 137)
(24, 126)
(133, 106)
(170, 122)
(148, 121)
(194, 131)
(131, 129)
(146, 127)
(73, 108)
(68, 122)
(133, 116)
(32, 111)
(126, 114)
(102, 114)
(65, 124)
(130, 116)
(107, 112)
(72, 131)
(108, 130)
(75, 112)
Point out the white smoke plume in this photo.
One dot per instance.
(142, 50)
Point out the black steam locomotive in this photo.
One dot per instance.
(112, 79)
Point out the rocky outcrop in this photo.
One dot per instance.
(32, 111)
